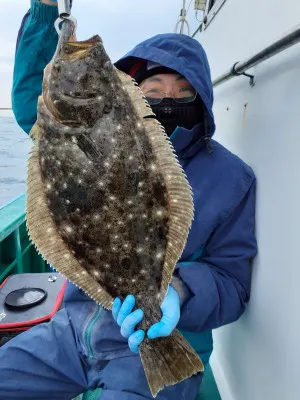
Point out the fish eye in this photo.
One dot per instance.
(57, 66)
(67, 49)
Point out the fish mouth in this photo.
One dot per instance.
(78, 50)
(86, 97)
(69, 48)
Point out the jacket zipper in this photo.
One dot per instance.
(89, 329)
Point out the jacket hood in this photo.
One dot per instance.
(182, 54)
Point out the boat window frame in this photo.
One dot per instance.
(211, 11)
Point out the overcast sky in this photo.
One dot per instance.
(121, 24)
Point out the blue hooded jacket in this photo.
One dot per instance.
(215, 264)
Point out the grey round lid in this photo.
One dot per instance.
(25, 297)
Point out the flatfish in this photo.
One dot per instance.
(108, 204)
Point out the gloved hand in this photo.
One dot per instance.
(128, 320)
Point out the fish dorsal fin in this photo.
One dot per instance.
(43, 232)
(180, 197)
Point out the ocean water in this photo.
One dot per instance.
(14, 149)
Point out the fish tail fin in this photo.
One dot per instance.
(168, 360)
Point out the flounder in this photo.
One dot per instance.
(108, 204)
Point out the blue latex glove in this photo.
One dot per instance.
(128, 320)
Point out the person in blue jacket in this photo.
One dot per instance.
(85, 347)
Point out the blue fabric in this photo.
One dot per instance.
(218, 278)
(33, 365)
(184, 55)
(37, 38)
(59, 360)
(125, 380)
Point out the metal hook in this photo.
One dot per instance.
(64, 12)
(62, 19)
(236, 73)
(64, 8)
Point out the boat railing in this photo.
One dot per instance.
(17, 253)
(239, 68)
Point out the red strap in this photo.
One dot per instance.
(136, 66)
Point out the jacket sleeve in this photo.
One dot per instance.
(36, 43)
(42, 363)
(220, 281)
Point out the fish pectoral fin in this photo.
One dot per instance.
(89, 148)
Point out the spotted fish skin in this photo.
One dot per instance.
(103, 186)
(108, 204)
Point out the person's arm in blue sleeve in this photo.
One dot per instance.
(42, 363)
(220, 281)
(36, 44)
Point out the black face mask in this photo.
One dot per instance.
(171, 114)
